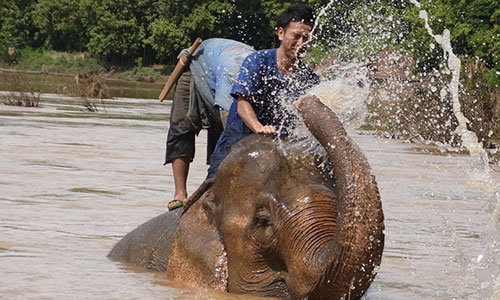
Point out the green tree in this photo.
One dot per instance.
(116, 34)
(10, 19)
(60, 24)
(474, 27)
(252, 22)
(180, 22)
(16, 28)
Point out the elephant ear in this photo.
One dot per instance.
(197, 255)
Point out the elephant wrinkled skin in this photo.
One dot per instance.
(277, 221)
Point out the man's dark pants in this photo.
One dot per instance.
(182, 132)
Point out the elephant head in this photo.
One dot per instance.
(280, 222)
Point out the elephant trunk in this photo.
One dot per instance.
(356, 251)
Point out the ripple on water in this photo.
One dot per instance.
(94, 191)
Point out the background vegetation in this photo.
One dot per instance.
(118, 32)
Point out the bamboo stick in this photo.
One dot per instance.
(179, 68)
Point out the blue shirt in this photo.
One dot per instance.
(214, 67)
(270, 94)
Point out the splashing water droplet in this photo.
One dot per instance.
(479, 164)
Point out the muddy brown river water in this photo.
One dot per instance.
(74, 182)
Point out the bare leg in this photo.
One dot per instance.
(180, 168)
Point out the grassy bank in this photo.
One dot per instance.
(79, 63)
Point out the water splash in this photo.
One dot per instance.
(317, 25)
(347, 97)
(346, 94)
(485, 266)
(469, 138)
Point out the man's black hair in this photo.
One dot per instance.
(296, 13)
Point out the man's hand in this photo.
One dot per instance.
(247, 114)
(267, 129)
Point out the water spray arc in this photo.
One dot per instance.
(490, 283)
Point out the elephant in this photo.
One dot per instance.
(278, 220)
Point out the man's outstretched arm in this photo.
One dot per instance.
(247, 114)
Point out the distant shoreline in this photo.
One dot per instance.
(35, 72)
(103, 75)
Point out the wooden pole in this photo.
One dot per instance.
(179, 68)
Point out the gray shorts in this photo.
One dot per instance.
(182, 132)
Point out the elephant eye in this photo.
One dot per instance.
(262, 228)
(263, 221)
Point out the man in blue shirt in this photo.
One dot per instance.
(200, 94)
(268, 80)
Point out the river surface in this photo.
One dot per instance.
(74, 182)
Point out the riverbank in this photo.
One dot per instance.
(86, 87)
(21, 71)
(76, 74)
(54, 63)
(146, 74)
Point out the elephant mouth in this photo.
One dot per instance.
(280, 288)
(275, 287)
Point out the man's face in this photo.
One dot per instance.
(293, 39)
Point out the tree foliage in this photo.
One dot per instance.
(179, 22)
(16, 29)
(117, 32)
(120, 31)
(59, 24)
(474, 28)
